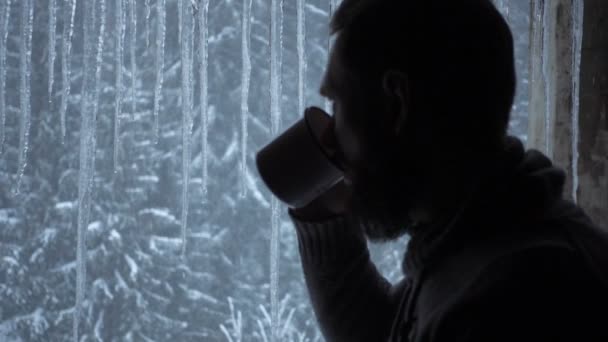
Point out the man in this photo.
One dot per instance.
(422, 91)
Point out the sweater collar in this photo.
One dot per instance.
(522, 185)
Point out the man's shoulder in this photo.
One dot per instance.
(563, 244)
(535, 251)
(536, 276)
(565, 232)
(543, 292)
(545, 263)
(562, 254)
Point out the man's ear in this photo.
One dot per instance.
(397, 94)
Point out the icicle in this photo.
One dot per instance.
(66, 53)
(203, 14)
(179, 20)
(52, 51)
(275, 238)
(160, 61)
(119, 93)
(133, 45)
(246, 75)
(280, 64)
(301, 32)
(536, 35)
(547, 79)
(148, 10)
(25, 66)
(503, 8)
(187, 28)
(506, 10)
(275, 64)
(5, 11)
(577, 40)
(99, 55)
(275, 109)
(87, 155)
(328, 108)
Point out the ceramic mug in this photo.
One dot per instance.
(297, 166)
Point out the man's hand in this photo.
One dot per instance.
(333, 202)
(336, 199)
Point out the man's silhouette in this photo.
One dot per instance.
(422, 91)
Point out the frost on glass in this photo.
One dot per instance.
(139, 283)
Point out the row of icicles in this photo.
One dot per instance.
(191, 13)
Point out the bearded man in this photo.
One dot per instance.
(422, 92)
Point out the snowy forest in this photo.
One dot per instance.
(130, 206)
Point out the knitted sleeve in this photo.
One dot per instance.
(351, 300)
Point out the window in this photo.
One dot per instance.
(140, 281)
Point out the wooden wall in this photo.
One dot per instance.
(592, 170)
(569, 96)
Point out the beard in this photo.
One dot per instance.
(382, 199)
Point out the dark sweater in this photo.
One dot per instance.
(519, 264)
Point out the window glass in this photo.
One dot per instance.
(140, 283)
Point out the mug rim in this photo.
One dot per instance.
(307, 113)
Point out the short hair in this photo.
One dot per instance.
(458, 55)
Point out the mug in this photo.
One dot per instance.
(296, 166)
